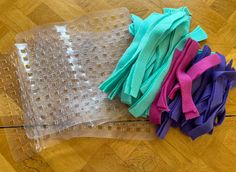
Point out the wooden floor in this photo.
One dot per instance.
(176, 152)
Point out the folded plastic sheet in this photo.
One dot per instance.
(60, 67)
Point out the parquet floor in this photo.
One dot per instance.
(176, 152)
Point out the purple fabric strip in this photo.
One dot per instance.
(174, 116)
(209, 92)
(185, 83)
(160, 103)
(181, 61)
(196, 70)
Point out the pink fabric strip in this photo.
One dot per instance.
(188, 106)
(170, 80)
(177, 71)
(155, 111)
(197, 69)
(160, 103)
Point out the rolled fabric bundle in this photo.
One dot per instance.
(141, 70)
(209, 93)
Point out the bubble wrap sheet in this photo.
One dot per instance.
(60, 69)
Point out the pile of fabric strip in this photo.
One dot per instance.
(165, 76)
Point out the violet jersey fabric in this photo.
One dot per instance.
(181, 61)
(209, 94)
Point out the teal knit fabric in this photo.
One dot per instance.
(141, 70)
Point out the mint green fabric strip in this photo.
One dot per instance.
(198, 34)
(163, 47)
(146, 40)
(142, 68)
(141, 106)
(133, 27)
(174, 10)
(117, 88)
(128, 57)
(157, 35)
(127, 88)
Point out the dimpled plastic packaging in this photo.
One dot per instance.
(61, 66)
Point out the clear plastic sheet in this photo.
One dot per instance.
(22, 147)
(60, 69)
(49, 85)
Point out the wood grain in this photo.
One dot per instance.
(176, 152)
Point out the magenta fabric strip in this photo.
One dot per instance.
(181, 61)
(160, 103)
(157, 105)
(169, 81)
(197, 69)
(188, 106)
(209, 93)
